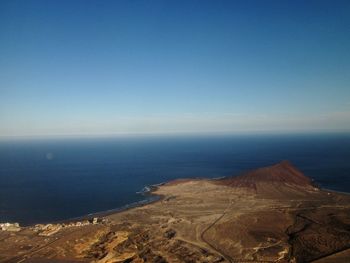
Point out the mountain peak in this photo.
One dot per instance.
(283, 173)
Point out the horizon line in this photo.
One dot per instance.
(171, 134)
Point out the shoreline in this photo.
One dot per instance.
(335, 191)
(150, 198)
(153, 198)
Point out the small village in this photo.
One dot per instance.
(11, 227)
(50, 229)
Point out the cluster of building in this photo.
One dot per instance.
(47, 229)
(14, 227)
(50, 229)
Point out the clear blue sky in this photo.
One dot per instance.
(106, 67)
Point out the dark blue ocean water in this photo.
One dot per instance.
(49, 180)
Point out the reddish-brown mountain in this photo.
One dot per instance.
(272, 179)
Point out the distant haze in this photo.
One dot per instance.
(110, 67)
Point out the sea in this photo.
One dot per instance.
(48, 180)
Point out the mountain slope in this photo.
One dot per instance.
(281, 179)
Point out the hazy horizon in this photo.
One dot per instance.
(176, 135)
(101, 68)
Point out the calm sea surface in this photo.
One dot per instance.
(49, 180)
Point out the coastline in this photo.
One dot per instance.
(334, 191)
(151, 197)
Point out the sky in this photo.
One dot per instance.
(129, 67)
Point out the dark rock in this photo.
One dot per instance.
(159, 259)
(170, 233)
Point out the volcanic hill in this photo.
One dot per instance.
(281, 180)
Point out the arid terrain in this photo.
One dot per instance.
(273, 214)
